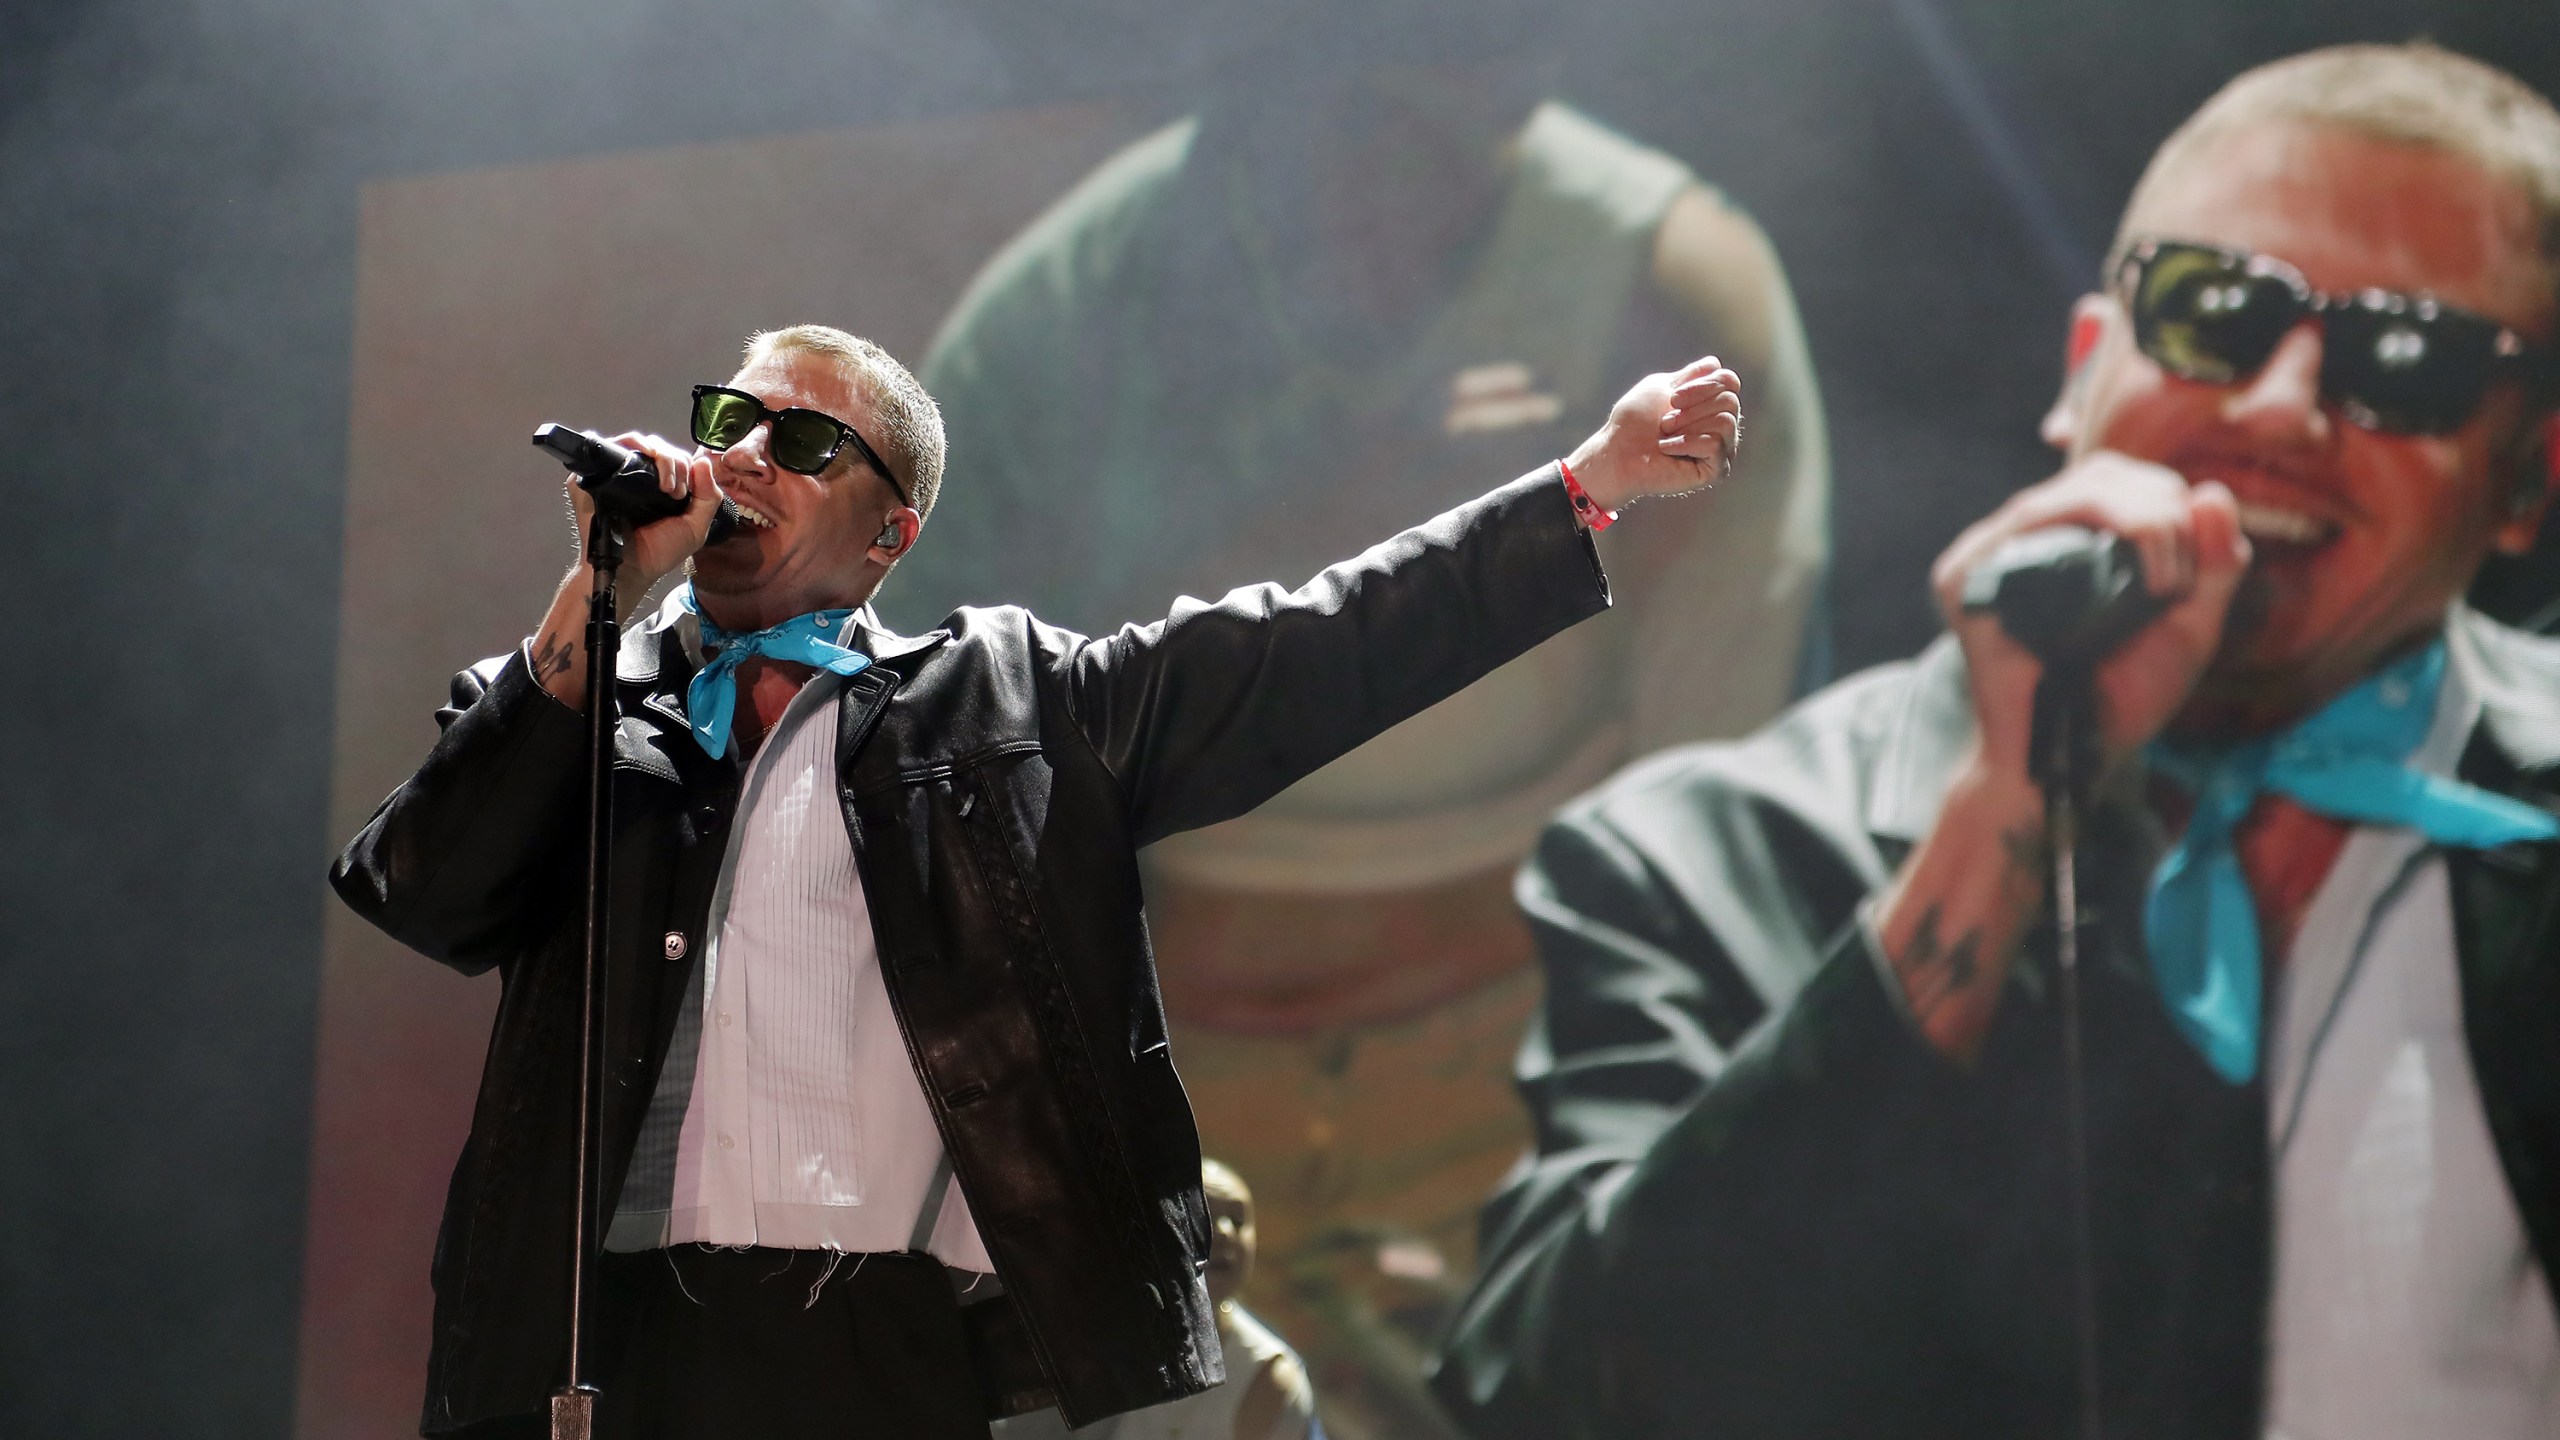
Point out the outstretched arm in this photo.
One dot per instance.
(1216, 708)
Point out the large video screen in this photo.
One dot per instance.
(1184, 342)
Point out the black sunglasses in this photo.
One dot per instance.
(2399, 363)
(803, 441)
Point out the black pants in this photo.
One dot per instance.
(769, 1344)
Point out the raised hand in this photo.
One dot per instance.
(1673, 432)
(554, 651)
(657, 548)
(2193, 556)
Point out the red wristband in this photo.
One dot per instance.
(1594, 519)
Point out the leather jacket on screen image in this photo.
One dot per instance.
(1762, 1205)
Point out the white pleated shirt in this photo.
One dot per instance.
(789, 1114)
(2408, 1301)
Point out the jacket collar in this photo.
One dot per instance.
(2514, 675)
(660, 653)
(669, 642)
(886, 646)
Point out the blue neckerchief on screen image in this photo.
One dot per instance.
(2350, 761)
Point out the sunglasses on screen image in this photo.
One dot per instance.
(2403, 364)
(804, 442)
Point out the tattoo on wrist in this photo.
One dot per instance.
(550, 657)
(2027, 850)
(1934, 972)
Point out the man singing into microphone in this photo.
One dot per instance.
(1804, 1163)
(891, 1137)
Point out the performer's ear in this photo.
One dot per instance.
(897, 533)
(2088, 326)
(2084, 338)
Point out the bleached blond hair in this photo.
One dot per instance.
(905, 425)
(2416, 94)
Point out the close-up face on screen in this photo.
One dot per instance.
(1713, 720)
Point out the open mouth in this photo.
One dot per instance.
(751, 515)
(2289, 506)
(2283, 529)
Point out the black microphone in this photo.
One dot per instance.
(2069, 595)
(623, 482)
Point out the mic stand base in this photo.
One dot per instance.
(573, 1413)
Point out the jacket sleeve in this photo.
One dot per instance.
(1730, 1109)
(1216, 708)
(454, 864)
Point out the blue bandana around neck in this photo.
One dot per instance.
(712, 702)
(2348, 761)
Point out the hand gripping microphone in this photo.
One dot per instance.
(2068, 594)
(623, 482)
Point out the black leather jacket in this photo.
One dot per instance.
(1762, 1206)
(997, 776)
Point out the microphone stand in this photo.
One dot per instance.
(2070, 596)
(573, 1405)
(2063, 758)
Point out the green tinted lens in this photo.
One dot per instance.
(2412, 374)
(721, 420)
(804, 441)
(2204, 317)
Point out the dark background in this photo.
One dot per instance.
(177, 232)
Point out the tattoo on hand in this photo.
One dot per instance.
(2027, 851)
(1935, 973)
(550, 657)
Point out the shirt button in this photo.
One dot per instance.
(724, 1019)
(675, 945)
(728, 1144)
